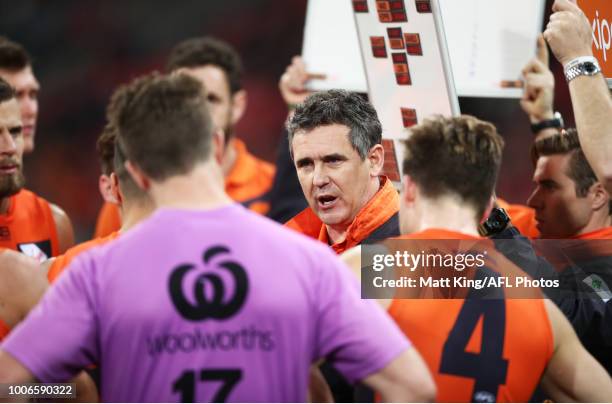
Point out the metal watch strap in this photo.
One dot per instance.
(576, 67)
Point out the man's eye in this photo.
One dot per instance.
(15, 131)
(548, 186)
(213, 99)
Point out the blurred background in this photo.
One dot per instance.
(83, 49)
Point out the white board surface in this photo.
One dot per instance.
(331, 46)
(489, 42)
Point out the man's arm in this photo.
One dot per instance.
(22, 283)
(405, 379)
(352, 259)
(573, 374)
(318, 389)
(362, 341)
(12, 371)
(569, 35)
(65, 232)
(539, 93)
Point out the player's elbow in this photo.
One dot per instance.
(424, 385)
(422, 388)
(414, 386)
(420, 378)
(407, 379)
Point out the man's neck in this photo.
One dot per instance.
(447, 213)
(337, 233)
(229, 158)
(598, 221)
(5, 204)
(135, 212)
(202, 188)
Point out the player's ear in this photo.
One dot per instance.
(409, 190)
(139, 177)
(239, 104)
(116, 189)
(376, 159)
(105, 186)
(218, 145)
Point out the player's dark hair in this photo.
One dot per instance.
(458, 156)
(338, 107)
(202, 51)
(164, 126)
(578, 169)
(6, 91)
(13, 56)
(105, 146)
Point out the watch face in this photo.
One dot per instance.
(590, 67)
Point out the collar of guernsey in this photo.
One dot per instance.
(438, 234)
(587, 246)
(10, 213)
(466, 241)
(383, 205)
(247, 170)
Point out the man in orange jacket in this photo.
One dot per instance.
(218, 67)
(335, 141)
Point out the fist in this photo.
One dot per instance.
(292, 84)
(568, 32)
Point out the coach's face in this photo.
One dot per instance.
(11, 148)
(334, 178)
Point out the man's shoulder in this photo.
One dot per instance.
(26, 197)
(263, 172)
(291, 233)
(234, 221)
(61, 262)
(306, 222)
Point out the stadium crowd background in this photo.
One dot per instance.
(82, 50)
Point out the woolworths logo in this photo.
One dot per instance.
(201, 305)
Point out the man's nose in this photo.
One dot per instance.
(8, 146)
(29, 107)
(320, 176)
(535, 200)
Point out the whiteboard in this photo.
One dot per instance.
(331, 47)
(489, 42)
(409, 77)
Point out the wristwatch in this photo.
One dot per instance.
(556, 122)
(496, 222)
(581, 66)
